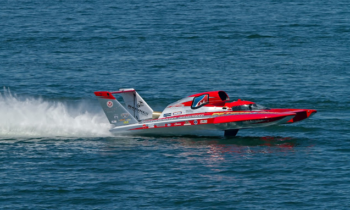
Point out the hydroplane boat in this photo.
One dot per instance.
(198, 112)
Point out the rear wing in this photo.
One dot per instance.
(135, 110)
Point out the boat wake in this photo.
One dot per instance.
(36, 117)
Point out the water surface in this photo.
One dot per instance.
(55, 148)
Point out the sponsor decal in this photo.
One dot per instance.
(177, 124)
(169, 125)
(187, 123)
(121, 120)
(151, 126)
(195, 122)
(139, 104)
(203, 121)
(167, 115)
(144, 126)
(113, 121)
(124, 115)
(126, 122)
(115, 117)
(137, 110)
(177, 113)
(110, 104)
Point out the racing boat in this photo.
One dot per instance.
(202, 111)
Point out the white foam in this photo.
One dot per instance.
(35, 117)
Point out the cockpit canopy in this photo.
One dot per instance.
(217, 98)
(200, 102)
(208, 102)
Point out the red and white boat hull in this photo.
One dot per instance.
(203, 111)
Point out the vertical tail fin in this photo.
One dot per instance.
(135, 104)
(114, 111)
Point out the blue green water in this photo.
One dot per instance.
(55, 148)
